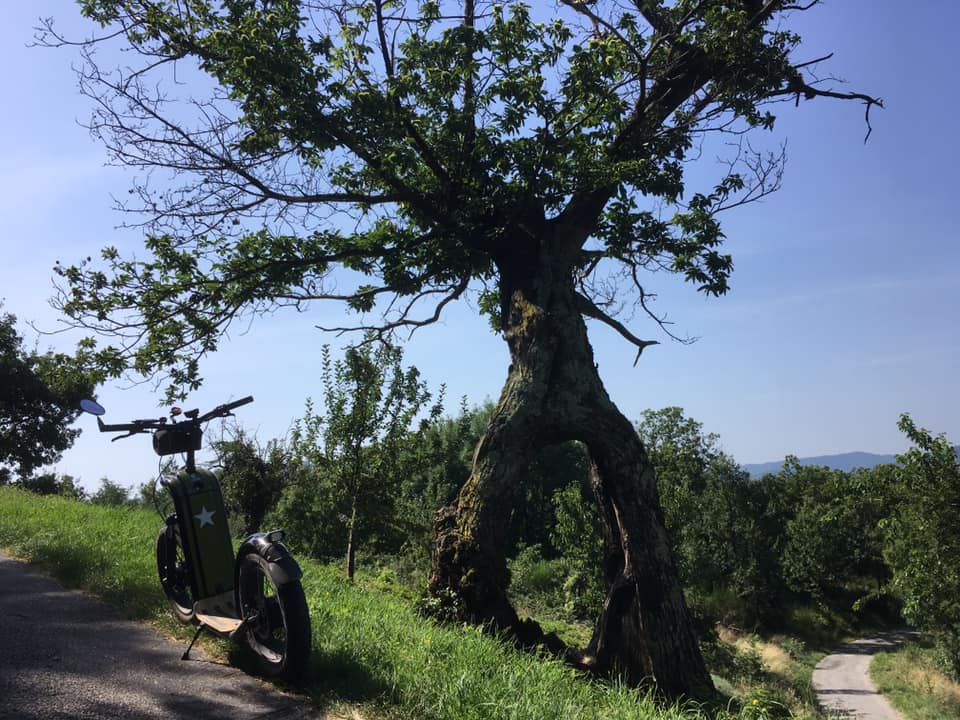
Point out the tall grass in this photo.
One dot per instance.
(107, 551)
(369, 648)
(913, 683)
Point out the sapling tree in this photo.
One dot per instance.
(111, 494)
(357, 444)
(401, 155)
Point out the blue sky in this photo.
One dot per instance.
(842, 312)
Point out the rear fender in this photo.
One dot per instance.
(284, 569)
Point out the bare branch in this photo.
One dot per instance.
(587, 308)
(798, 86)
(404, 320)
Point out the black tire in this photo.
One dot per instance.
(174, 573)
(279, 637)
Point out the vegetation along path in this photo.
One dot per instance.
(842, 684)
(66, 654)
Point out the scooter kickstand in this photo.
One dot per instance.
(200, 629)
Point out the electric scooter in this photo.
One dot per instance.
(253, 595)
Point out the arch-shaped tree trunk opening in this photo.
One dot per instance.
(539, 566)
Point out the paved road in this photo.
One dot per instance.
(843, 686)
(67, 655)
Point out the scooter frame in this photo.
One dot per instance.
(213, 569)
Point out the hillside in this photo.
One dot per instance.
(843, 461)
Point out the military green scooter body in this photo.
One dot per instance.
(202, 519)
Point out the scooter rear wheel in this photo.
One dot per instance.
(175, 573)
(278, 635)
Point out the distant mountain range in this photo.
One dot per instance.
(844, 461)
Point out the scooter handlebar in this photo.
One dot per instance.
(139, 426)
(135, 426)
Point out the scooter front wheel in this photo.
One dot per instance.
(175, 573)
(277, 618)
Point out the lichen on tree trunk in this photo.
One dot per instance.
(553, 394)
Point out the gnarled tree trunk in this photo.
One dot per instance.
(554, 394)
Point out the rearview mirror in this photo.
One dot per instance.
(92, 407)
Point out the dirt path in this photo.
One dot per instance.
(843, 686)
(67, 655)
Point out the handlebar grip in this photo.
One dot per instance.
(242, 401)
(111, 428)
(224, 410)
(135, 426)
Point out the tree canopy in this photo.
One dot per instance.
(424, 147)
(922, 541)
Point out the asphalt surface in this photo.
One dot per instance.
(843, 686)
(64, 654)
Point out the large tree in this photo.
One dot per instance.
(428, 149)
(39, 399)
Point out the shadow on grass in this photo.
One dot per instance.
(338, 676)
(330, 677)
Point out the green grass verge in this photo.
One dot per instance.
(909, 677)
(370, 649)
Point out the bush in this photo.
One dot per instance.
(720, 605)
(582, 596)
(923, 541)
(947, 654)
(537, 583)
(740, 665)
(747, 665)
(307, 512)
(794, 647)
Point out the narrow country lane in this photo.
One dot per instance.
(67, 655)
(843, 685)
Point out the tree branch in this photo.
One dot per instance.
(588, 309)
(384, 330)
(798, 86)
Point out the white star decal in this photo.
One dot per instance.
(205, 516)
